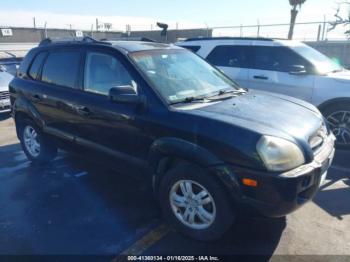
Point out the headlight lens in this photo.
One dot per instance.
(279, 154)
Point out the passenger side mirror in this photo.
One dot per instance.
(298, 70)
(124, 94)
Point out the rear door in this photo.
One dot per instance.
(55, 89)
(270, 67)
(233, 60)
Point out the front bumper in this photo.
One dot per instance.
(5, 105)
(280, 194)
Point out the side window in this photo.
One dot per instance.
(229, 56)
(193, 48)
(276, 59)
(103, 71)
(62, 68)
(36, 65)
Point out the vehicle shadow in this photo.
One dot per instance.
(248, 236)
(336, 189)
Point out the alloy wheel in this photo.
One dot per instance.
(339, 122)
(30, 139)
(192, 204)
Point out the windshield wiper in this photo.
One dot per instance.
(227, 91)
(337, 70)
(189, 99)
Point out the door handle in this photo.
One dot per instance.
(83, 110)
(261, 77)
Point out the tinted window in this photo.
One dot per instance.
(193, 48)
(61, 68)
(276, 59)
(36, 65)
(102, 72)
(229, 56)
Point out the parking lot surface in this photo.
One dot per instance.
(82, 205)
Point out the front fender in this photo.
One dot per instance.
(166, 149)
(182, 149)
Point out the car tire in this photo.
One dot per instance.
(209, 220)
(38, 148)
(338, 118)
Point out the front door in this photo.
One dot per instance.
(113, 127)
(270, 71)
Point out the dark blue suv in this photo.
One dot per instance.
(212, 147)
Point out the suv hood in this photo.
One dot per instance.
(343, 76)
(267, 113)
(5, 79)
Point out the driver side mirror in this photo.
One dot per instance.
(125, 95)
(298, 70)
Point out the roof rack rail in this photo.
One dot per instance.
(70, 40)
(229, 38)
(128, 38)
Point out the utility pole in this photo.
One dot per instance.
(34, 23)
(45, 29)
(319, 32)
(96, 24)
(324, 27)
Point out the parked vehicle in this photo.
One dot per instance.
(10, 61)
(211, 146)
(287, 67)
(5, 79)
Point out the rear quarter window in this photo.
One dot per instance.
(62, 68)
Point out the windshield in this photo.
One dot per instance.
(179, 74)
(322, 63)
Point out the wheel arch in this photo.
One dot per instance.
(332, 102)
(167, 152)
(23, 109)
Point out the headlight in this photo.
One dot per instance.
(279, 154)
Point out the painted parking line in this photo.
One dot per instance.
(146, 241)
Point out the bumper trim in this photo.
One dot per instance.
(324, 154)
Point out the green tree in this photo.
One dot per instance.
(296, 5)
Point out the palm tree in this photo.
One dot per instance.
(294, 12)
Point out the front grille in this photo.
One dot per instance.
(4, 95)
(317, 139)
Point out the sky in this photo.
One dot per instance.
(141, 14)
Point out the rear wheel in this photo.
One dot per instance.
(38, 148)
(195, 203)
(338, 118)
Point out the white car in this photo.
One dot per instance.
(287, 67)
(5, 79)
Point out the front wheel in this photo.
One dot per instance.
(37, 147)
(338, 118)
(195, 203)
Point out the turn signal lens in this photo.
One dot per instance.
(250, 182)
